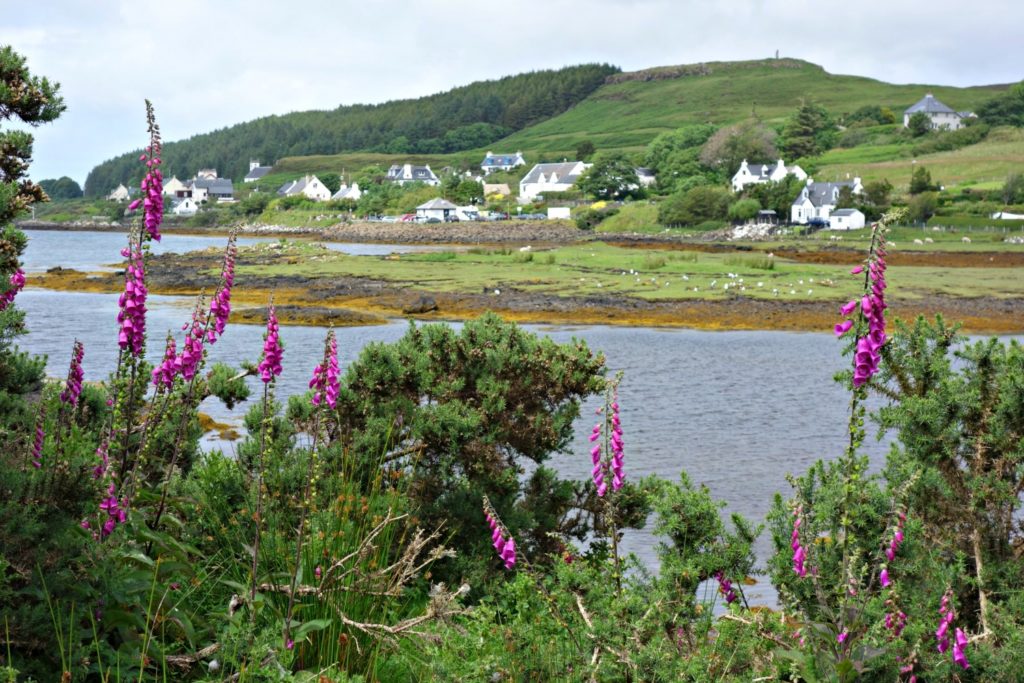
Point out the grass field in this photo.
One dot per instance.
(598, 269)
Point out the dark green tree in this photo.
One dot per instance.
(809, 132)
(331, 180)
(777, 197)
(919, 124)
(613, 176)
(921, 180)
(694, 206)
(585, 150)
(744, 209)
(61, 188)
(922, 206)
(1013, 189)
(1006, 109)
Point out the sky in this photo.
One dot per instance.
(207, 64)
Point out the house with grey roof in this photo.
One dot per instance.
(204, 188)
(846, 219)
(308, 186)
(501, 162)
(551, 178)
(941, 116)
(817, 201)
(350, 193)
(408, 173)
(753, 174)
(255, 171)
(436, 208)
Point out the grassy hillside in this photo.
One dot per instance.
(628, 113)
(632, 108)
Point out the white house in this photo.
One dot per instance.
(752, 174)
(185, 206)
(551, 178)
(941, 116)
(846, 219)
(436, 208)
(646, 176)
(255, 171)
(501, 162)
(204, 188)
(308, 186)
(407, 173)
(173, 186)
(817, 201)
(351, 193)
(119, 194)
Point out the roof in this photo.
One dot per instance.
(214, 185)
(564, 171)
(501, 159)
(929, 105)
(823, 194)
(845, 212)
(293, 186)
(410, 172)
(258, 172)
(437, 204)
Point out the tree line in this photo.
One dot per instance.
(467, 117)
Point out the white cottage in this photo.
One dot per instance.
(436, 208)
(408, 173)
(345, 192)
(551, 178)
(753, 174)
(941, 116)
(307, 186)
(817, 201)
(846, 219)
(501, 162)
(119, 194)
(185, 206)
(173, 187)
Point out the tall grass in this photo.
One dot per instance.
(753, 261)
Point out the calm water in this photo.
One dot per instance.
(93, 251)
(736, 410)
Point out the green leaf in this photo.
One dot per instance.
(310, 627)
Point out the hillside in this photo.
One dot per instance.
(630, 109)
(463, 118)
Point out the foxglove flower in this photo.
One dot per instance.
(152, 183)
(270, 365)
(132, 316)
(101, 467)
(725, 587)
(867, 353)
(164, 374)
(17, 283)
(799, 554)
(959, 645)
(73, 386)
(220, 306)
(187, 363)
(501, 539)
(946, 618)
(40, 437)
(113, 509)
(325, 376)
(613, 465)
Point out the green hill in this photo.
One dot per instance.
(463, 118)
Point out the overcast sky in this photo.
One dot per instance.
(207, 64)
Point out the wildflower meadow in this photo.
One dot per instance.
(398, 521)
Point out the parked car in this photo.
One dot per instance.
(451, 218)
(817, 223)
(389, 219)
(497, 216)
(432, 220)
(408, 218)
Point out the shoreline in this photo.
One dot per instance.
(352, 301)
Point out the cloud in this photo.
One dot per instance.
(207, 65)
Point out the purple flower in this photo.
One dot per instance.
(37, 443)
(132, 316)
(856, 270)
(152, 185)
(270, 365)
(849, 307)
(505, 547)
(959, 644)
(945, 621)
(187, 363)
(325, 376)
(73, 386)
(725, 587)
(843, 327)
(841, 638)
(164, 374)
(883, 576)
(17, 282)
(220, 306)
(799, 554)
